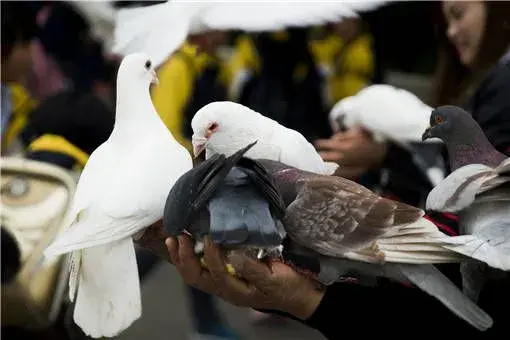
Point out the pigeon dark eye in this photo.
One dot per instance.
(148, 64)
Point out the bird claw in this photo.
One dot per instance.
(275, 252)
(199, 247)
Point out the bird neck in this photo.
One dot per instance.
(474, 148)
(134, 109)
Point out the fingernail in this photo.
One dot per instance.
(168, 242)
(180, 239)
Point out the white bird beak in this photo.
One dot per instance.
(155, 79)
(199, 145)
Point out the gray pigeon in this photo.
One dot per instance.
(237, 206)
(478, 190)
(351, 229)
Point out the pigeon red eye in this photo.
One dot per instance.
(439, 119)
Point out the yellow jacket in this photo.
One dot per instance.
(22, 104)
(347, 71)
(176, 80)
(349, 68)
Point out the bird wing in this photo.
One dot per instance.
(333, 215)
(274, 15)
(121, 193)
(459, 189)
(265, 184)
(160, 29)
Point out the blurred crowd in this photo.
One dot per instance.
(58, 102)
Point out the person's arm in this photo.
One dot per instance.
(172, 94)
(490, 106)
(388, 310)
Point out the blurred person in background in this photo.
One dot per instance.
(277, 75)
(19, 30)
(346, 59)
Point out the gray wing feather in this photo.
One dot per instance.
(432, 281)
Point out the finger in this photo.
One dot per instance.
(324, 144)
(229, 287)
(255, 272)
(189, 266)
(173, 250)
(331, 156)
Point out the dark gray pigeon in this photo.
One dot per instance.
(478, 190)
(230, 198)
(351, 229)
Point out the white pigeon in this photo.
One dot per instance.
(386, 111)
(161, 29)
(225, 127)
(121, 191)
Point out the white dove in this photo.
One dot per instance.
(161, 29)
(386, 111)
(121, 191)
(225, 127)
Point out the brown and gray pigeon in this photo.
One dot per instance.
(478, 190)
(352, 229)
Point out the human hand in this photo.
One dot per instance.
(258, 285)
(354, 150)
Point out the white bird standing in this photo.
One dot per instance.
(121, 191)
(161, 29)
(225, 127)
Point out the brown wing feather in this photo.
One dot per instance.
(338, 215)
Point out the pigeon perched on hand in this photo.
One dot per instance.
(386, 111)
(352, 229)
(238, 207)
(478, 190)
(225, 127)
(121, 191)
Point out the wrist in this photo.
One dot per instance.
(308, 304)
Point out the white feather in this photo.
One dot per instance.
(386, 111)
(160, 29)
(108, 297)
(452, 195)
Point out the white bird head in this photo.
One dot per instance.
(137, 67)
(343, 114)
(224, 127)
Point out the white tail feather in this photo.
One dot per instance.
(108, 299)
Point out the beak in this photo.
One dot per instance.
(155, 79)
(199, 145)
(427, 134)
(198, 149)
(341, 125)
